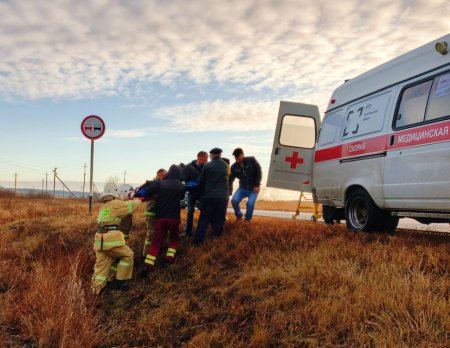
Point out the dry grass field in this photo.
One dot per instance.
(274, 283)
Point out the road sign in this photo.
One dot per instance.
(93, 127)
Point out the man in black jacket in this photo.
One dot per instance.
(213, 186)
(169, 192)
(248, 171)
(190, 174)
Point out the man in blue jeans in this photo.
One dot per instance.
(248, 171)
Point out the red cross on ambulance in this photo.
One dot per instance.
(294, 160)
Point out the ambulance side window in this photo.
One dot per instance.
(298, 131)
(439, 102)
(330, 127)
(413, 104)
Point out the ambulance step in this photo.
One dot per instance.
(421, 215)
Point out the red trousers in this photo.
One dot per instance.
(162, 227)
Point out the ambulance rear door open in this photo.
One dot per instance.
(293, 147)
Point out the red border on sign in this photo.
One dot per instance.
(101, 121)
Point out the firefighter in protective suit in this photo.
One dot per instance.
(125, 194)
(109, 241)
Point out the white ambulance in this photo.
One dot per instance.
(382, 150)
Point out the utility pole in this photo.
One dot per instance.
(42, 188)
(15, 182)
(46, 180)
(84, 178)
(65, 186)
(124, 176)
(54, 181)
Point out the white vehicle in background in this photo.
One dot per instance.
(382, 150)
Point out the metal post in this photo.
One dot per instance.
(15, 182)
(91, 177)
(54, 182)
(46, 181)
(84, 178)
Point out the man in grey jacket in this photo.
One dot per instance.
(213, 187)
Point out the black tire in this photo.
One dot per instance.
(361, 213)
(387, 222)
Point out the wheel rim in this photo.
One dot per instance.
(358, 213)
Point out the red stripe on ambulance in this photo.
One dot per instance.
(429, 134)
(423, 135)
(353, 149)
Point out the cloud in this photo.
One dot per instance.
(221, 115)
(87, 49)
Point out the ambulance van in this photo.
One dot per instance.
(382, 150)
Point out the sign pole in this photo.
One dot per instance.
(92, 128)
(91, 177)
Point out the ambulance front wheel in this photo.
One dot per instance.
(361, 213)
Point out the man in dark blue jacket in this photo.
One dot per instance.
(213, 186)
(191, 173)
(248, 171)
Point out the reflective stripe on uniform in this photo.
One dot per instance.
(147, 242)
(149, 262)
(104, 215)
(113, 268)
(123, 263)
(112, 243)
(150, 259)
(171, 252)
(99, 277)
(149, 213)
(130, 207)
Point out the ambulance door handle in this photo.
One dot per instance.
(277, 150)
(391, 141)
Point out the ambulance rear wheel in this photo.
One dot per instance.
(361, 213)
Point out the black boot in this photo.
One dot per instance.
(121, 285)
(143, 273)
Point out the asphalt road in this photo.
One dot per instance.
(405, 223)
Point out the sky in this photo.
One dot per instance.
(173, 77)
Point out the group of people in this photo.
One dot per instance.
(208, 184)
